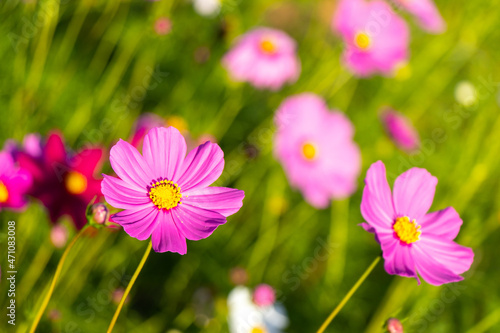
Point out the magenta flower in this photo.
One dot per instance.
(376, 38)
(165, 193)
(400, 130)
(426, 13)
(14, 183)
(413, 240)
(64, 182)
(316, 149)
(144, 123)
(265, 57)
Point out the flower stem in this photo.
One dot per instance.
(46, 299)
(130, 284)
(349, 295)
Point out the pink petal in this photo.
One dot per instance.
(202, 166)
(54, 149)
(121, 194)
(454, 257)
(87, 161)
(138, 223)
(196, 223)
(431, 270)
(223, 200)
(443, 223)
(399, 260)
(414, 192)
(164, 149)
(6, 163)
(376, 205)
(130, 166)
(166, 236)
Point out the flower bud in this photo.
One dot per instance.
(394, 326)
(100, 213)
(264, 295)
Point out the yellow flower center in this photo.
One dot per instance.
(267, 46)
(4, 193)
(309, 151)
(75, 182)
(408, 232)
(165, 194)
(362, 41)
(258, 330)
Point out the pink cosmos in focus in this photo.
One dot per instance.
(426, 12)
(267, 58)
(376, 38)
(316, 148)
(400, 130)
(165, 194)
(413, 240)
(14, 183)
(62, 180)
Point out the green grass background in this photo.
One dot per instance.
(70, 65)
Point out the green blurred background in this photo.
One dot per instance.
(85, 67)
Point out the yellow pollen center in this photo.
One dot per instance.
(408, 232)
(267, 46)
(165, 194)
(362, 41)
(4, 193)
(75, 182)
(309, 151)
(258, 330)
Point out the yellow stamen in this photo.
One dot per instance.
(408, 232)
(362, 41)
(4, 193)
(75, 182)
(309, 151)
(258, 330)
(267, 46)
(165, 194)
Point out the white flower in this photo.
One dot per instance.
(246, 317)
(207, 7)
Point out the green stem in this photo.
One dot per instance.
(127, 291)
(349, 295)
(46, 299)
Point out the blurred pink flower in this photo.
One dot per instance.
(400, 130)
(393, 325)
(426, 12)
(316, 149)
(165, 194)
(376, 38)
(267, 58)
(63, 181)
(32, 145)
(413, 240)
(163, 26)
(59, 235)
(264, 295)
(14, 183)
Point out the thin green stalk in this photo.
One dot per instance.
(349, 295)
(46, 299)
(127, 291)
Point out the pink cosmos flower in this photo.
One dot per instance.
(400, 130)
(163, 26)
(165, 194)
(376, 38)
(264, 57)
(316, 148)
(426, 12)
(14, 183)
(63, 181)
(264, 295)
(413, 240)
